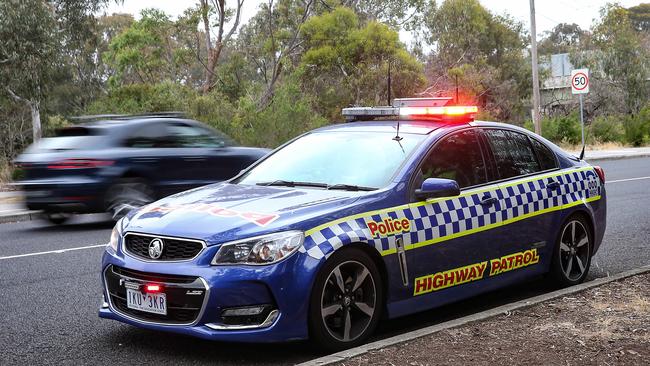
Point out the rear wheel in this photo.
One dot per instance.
(572, 253)
(346, 300)
(128, 194)
(57, 218)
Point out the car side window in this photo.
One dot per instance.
(149, 136)
(547, 158)
(513, 153)
(456, 157)
(193, 136)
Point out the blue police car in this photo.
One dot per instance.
(404, 209)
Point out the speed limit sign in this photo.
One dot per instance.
(580, 81)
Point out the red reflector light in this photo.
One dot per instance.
(79, 164)
(152, 288)
(600, 172)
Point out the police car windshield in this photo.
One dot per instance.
(335, 159)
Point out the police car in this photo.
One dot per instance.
(403, 209)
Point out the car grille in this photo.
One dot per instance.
(173, 249)
(182, 309)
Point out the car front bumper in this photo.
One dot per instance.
(285, 286)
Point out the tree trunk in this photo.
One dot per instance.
(36, 119)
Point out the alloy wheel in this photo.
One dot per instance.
(574, 250)
(348, 301)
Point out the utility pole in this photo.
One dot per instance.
(533, 47)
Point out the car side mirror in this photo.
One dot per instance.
(436, 188)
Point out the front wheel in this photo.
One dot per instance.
(572, 253)
(128, 194)
(346, 301)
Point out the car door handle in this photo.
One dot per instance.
(488, 200)
(145, 160)
(552, 184)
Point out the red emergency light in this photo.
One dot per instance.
(436, 109)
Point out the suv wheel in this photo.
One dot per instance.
(128, 194)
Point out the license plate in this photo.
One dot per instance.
(150, 303)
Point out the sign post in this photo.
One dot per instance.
(580, 85)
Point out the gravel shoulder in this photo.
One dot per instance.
(605, 325)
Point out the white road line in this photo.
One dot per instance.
(626, 180)
(52, 251)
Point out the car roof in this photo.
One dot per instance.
(419, 127)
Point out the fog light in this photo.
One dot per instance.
(247, 311)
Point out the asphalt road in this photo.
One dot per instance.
(48, 302)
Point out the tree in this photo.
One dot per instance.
(562, 39)
(149, 51)
(341, 51)
(398, 14)
(215, 13)
(621, 61)
(35, 35)
(480, 53)
(640, 17)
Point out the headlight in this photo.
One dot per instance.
(116, 233)
(264, 249)
(115, 237)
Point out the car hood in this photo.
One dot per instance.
(223, 212)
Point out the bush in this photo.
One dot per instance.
(144, 98)
(562, 129)
(607, 129)
(54, 123)
(637, 128)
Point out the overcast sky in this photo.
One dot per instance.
(549, 12)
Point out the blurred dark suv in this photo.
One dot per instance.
(125, 162)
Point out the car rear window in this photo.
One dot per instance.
(513, 153)
(546, 157)
(72, 138)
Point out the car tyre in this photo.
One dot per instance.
(56, 218)
(346, 301)
(572, 252)
(128, 194)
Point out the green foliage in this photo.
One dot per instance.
(143, 98)
(53, 124)
(482, 54)
(607, 129)
(346, 62)
(621, 58)
(560, 129)
(561, 39)
(288, 116)
(637, 128)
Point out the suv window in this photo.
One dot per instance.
(184, 135)
(150, 135)
(456, 157)
(546, 157)
(513, 153)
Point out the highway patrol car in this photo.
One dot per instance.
(405, 208)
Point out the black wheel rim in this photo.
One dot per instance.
(574, 250)
(348, 301)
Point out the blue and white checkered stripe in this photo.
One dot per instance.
(444, 219)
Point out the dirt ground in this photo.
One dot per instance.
(606, 325)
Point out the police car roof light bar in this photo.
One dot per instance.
(414, 108)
